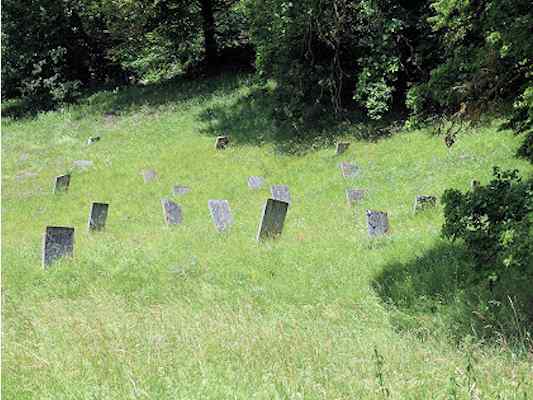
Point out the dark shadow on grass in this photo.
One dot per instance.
(437, 294)
(251, 120)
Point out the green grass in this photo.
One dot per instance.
(146, 311)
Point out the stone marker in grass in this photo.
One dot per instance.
(378, 222)
(255, 182)
(354, 195)
(281, 192)
(474, 184)
(58, 241)
(221, 214)
(97, 216)
(149, 175)
(221, 142)
(179, 190)
(341, 148)
(423, 202)
(348, 170)
(62, 182)
(171, 212)
(272, 219)
(83, 164)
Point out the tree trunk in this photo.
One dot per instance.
(210, 43)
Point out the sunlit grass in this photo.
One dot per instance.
(144, 310)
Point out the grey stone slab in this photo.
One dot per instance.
(355, 195)
(83, 164)
(62, 182)
(25, 174)
(221, 214)
(377, 222)
(423, 202)
(58, 242)
(149, 175)
(171, 212)
(179, 190)
(97, 216)
(94, 139)
(348, 170)
(281, 192)
(221, 142)
(255, 182)
(341, 148)
(272, 219)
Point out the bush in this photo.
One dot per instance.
(495, 223)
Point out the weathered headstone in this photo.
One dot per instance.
(354, 195)
(171, 212)
(97, 216)
(83, 164)
(378, 222)
(281, 192)
(255, 182)
(62, 183)
(474, 184)
(341, 148)
(221, 142)
(179, 190)
(58, 241)
(92, 140)
(348, 170)
(221, 214)
(272, 219)
(149, 175)
(423, 202)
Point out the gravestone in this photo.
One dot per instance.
(180, 190)
(25, 175)
(474, 184)
(24, 157)
(221, 142)
(272, 219)
(341, 148)
(423, 202)
(255, 182)
(221, 214)
(58, 242)
(281, 192)
(378, 222)
(348, 170)
(354, 195)
(92, 140)
(149, 175)
(97, 216)
(83, 164)
(62, 183)
(171, 212)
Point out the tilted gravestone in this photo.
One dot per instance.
(171, 212)
(58, 241)
(272, 219)
(62, 182)
(180, 190)
(354, 195)
(97, 216)
(221, 214)
(255, 182)
(221, 142)
(348, 170)
(149, 175)
(281, 192)
(423, 202)
(341, 148)
(378, 222)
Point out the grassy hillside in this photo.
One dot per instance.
(147, 311)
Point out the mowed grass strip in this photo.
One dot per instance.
(146, 310)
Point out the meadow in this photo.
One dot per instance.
(148, 311)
